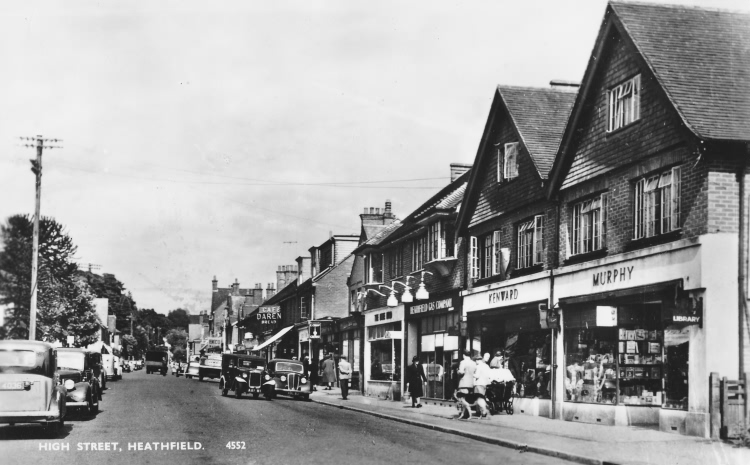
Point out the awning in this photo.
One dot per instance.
(274, 338)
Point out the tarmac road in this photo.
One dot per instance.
(142, 409)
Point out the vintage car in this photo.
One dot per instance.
(192, 367)
(78, 370)
(210, 366)
(157, 360)
(286, 377)
(30, 390)
(110, 366)
(242, 373)
(179, 368)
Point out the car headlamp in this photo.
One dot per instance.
(283, 378)
(244, 375)
(70, 384)
(303, 381)
(267, 377)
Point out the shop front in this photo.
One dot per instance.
(504, 318)
(432, 333)
(635, 335)
(349, 336)
(383, 353)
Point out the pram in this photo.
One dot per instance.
(499, 397)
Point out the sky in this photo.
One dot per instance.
(225, 139)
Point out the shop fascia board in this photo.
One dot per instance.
(545, 274)
(628, 256)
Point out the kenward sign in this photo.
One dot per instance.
(269, 315)
(502, 296)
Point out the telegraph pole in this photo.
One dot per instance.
(36, 168)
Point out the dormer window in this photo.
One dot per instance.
(624, 103)
(507, 162)
(374, 268)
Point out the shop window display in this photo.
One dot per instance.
(629, 363)
(525, 347)
(385, 353)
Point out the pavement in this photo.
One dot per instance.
(577, 442)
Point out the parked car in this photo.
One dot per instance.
(210, 366)
(286, 377)
(30, 390)
(179, 368)
(109, 368)
(242, 373)
(157, 360)
(193, 366)
(78, 371)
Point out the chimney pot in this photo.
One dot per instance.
(365, 210)
(372, 210)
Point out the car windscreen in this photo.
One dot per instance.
(289, 366)
(71, 360)
(156, 356)
(21, 361)
(252, 364)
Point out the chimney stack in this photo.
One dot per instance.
(236, 287)
(285, 275)
(374, 216)
(458, 169)
(215, 284)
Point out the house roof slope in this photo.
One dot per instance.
(539, 115)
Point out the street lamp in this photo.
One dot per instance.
(392, 300)
(406, 297)
(422, 293)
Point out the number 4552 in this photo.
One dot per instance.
(236, 445)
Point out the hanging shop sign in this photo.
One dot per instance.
(687, 309)
(269, 315)
(314, 330)
(549, 318)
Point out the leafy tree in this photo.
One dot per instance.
(130, 346)
(141, 338)
(177, 339)
(155, 324)
(121, 303)
(64, 302)
(180, 318)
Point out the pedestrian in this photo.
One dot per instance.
(497, 361)
(345, 372)
(415, 378)
(482, 377)
(328, 372)
(466, 370)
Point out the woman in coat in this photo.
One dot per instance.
(328, 372)
(414, 380)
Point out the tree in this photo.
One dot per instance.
(177, 339)
(155, 324)
(64, 302)
(121, 303)
(179, 318)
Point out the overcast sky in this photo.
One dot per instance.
(204, 140)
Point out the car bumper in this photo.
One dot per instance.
(29, 417)
(72, 404)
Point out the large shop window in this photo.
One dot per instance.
(525, 346)
(385, 353)
(623, 355)
(437, 352)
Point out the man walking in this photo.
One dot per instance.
(345, 372)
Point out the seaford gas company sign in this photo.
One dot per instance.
(431, 306)
(269, 315)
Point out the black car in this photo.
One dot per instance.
(286, 377)
(157, 360)
(242, 373)
(78, 370)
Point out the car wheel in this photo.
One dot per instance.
(200, 377)
(164, 373)
(103, 380)
(237, 393)
(306, 397)
(255, 395)
(268, 395)
(224, 392)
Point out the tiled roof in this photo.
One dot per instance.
(539, 115)
(380, 237)
(371, 230)
(701, 57)
(288, 291)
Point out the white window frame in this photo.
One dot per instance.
(507, 162)
(624, 104)
(435, 241)
(487, 256)
(496, 253)
(474, 258)
(530, 249)
(589, 225)
(652, 194)
(419, 253)
(302, 309)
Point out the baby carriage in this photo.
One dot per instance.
(499, 397)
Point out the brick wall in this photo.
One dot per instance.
(332, 292)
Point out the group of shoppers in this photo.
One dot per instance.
(329, 373)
